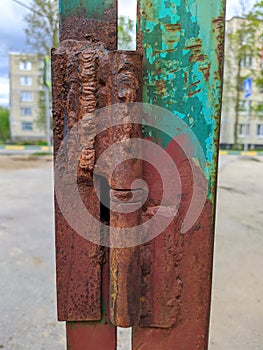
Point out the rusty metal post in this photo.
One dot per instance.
(161, 288)
(82, 266)
(182, 43)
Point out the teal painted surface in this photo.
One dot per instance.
(89, 8)
(183, 46)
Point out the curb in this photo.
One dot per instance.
(23, 148)
(241, 153)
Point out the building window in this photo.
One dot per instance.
(259, 108)
(25, 65)
(244, 130)
(26, 96)
(260, 130)
(260, 86)
(26, 111)
(247, 62)
(242, 105)
(26, 81)
(27, 126)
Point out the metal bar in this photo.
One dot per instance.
(123, 75)
(182, 43)
(125, 271)
(95, 335)
(47, 112)
(247, 125)
(83, 335)
(82, 267)
(78, 260)
(92, 19)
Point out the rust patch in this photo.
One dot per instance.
(81, 335)
(192, 93)
(78, 261)
(78, 267)
(125, 264)
(206, 71)
(219, 28)
(171, 302)
(102, 30)
(88, 104)
(173, 27)
(82, 83)
(120, 80)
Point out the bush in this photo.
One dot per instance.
(4, 125)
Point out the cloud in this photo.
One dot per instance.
(12, 38)
(4, 91)
(12, 27)
(127, 8)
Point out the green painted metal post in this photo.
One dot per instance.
(182, 42)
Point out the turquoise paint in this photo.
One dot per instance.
(176, 75)
(94, 9)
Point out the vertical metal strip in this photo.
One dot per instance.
(82, 267)
(182, 42)
(98, 20)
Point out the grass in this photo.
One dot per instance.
(4, 125)
(31, 143)
(40, 154)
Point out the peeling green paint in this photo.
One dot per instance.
(183, 44)
(93, 9)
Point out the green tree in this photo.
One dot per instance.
(42, 34)
(42, 26)
(241, 42)
(4, 125)
(126, 32)
(256, 22)
(241, 47)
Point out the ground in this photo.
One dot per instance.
(27, 283)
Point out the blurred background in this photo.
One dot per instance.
(28, 29)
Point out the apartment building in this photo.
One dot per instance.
(249, 130)
(25, 86)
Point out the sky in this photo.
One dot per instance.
(12, 37)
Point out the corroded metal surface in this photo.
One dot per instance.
(85, 335)
(87, 76)
(163, 287)
(125, 263)
(78, 261)
(120, 77)
(182, 44)
(95, 335)
(95, 20)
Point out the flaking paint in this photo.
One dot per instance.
(91, 9)
(183, 69)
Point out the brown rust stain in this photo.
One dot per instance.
(78, 261)
(88, 104)
(86, 77)
(120, 78)
(197, 51)
(81, 335)
(79, 27)
(219, 28)
(173, 27)
(192, 93)
(175, 302)
(206, 71)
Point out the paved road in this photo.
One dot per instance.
(27, 283)
(23, 150)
